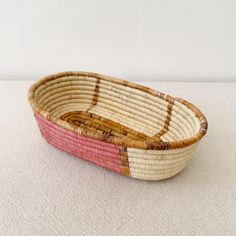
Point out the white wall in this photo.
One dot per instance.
(134, 39)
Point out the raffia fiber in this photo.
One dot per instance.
(127, 128)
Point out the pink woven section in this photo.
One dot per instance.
(100, 153)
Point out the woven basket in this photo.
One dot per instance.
(127, 128)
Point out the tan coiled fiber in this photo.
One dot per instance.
(125, 127)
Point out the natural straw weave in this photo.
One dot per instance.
(125, 127)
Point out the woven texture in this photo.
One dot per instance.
(127, 128)
(44, 191)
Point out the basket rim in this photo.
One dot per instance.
(125, 142)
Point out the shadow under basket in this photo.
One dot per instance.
(127, 128)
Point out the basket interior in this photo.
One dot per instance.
(117, 110)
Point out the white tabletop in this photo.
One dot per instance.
(44, 191)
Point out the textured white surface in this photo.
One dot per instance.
(44, 191)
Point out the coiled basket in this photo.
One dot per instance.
(127, 128)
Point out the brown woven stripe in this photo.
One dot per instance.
(165, 128)
(96, 92)
(125, 170)
(95, 95)
(95, 122)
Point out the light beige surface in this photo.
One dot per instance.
(44, 191)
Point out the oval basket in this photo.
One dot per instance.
(127, 128)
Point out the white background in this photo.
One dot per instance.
(47, 192)
(142, 40)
